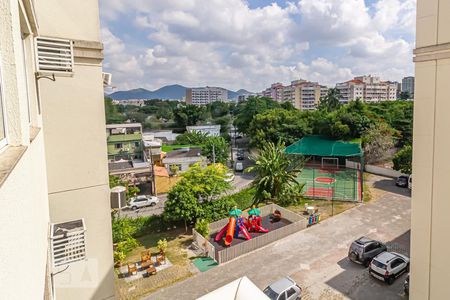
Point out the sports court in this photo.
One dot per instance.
(332, 170)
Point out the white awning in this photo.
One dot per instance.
(240, 289)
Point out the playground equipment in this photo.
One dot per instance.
(236, 225)
(253, 223)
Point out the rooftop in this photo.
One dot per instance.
(323, 146)
(124, 137)
(281, 285)
(186, 152)
(125, 125)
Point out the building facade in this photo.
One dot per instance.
(303, 94)
(210, 130)
(205, 95)
(55, 223)
(408, 86)
(124, 141)
(431, 167)
(367, 88)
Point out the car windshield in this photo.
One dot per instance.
(379, 264)
(270, 293)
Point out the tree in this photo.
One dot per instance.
(404, 95)
(192, 138)
(245, 111)
(218, 109)
(216, 149)
(377, 140)
(403, 160)
(331, 100)
(181, 204)
(112, 114)
(278, 124)
(188, 115)
(276, 172)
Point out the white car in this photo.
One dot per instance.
(388, 266)
(142, 201)
(283, 289)
(239, 167)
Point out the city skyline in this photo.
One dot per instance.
(252, 44)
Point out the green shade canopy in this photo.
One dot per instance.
(323, 146)
(235, 212)
(254, 212)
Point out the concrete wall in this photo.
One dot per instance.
(24, 223)
(431, 166)
(382, 171)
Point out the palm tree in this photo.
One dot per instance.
(331, 100)
(276, 172)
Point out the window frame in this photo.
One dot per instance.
(3, 141)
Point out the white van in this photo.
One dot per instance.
(410, 182)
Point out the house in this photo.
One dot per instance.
(55, 221)
(183, 159)
(152, 148)
(211, 130)
(167, 136)
(124, 141)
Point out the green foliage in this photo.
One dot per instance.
(330, 102)
(202, 227)
(217, 209)
(339, 130)
(377, 140)
(278, 124)
(216, 149)
(188, 115)
(112, 114)
(242, 199)
(181, 203)
(162, 245)
(276, 172)
(123, 230)
(206, 183)
(193, 138)
(403, 160)
(245, 111)
(404, 95)
(218, 109)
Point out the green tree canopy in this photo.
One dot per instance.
(189, 115)
(245, 111)
(403, 160)
(330, 101)
(377, 140)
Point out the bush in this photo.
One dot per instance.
(218, 209)
(242, 199)
(162, 245)
(202, 227)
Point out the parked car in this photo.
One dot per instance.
(388, 266)
(364, 249)
(142, 201)
(284, 289)
(240, 154)
(239, 167)
(410, 182)
(402, 181)
(406, 285)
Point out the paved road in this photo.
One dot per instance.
(316, 257)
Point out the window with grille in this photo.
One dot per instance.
(54, 55)
(68, 242)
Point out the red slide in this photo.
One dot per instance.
(230, 231)
(245, 232)
(221, 233)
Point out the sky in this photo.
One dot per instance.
(250, 44)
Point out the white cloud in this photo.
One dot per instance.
(226, 43)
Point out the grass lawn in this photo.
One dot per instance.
(177, 241)
(326, 208)
(168, 148)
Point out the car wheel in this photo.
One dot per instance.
(134, 207)
(152, 204)
(367, 263)
(390, 280)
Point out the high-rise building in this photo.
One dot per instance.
(205, 95)
(408, 86)
(55, 221)
(430, 222)
(368, 88)
(303, 94)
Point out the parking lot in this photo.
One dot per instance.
(317, 257)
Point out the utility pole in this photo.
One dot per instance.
(152, 173)
(214, 154)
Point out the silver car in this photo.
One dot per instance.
(142, 201)
(284, 289)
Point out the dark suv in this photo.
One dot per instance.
(364, 249)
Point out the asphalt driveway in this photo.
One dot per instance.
(316, 257)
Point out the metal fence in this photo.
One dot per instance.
(227, 254)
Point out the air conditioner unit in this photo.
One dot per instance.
(54, 55)
(107, 79)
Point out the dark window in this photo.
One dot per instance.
(137, 144)
(118, 146)
(396, 263)
(290, 292)
(282, 296)
(370, 247)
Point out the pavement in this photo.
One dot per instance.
(317, 257)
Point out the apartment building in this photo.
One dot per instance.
(431, 167)
(55, 219)
(205, 95)
(124, 141)
(368, 88)
(408, 86)
(303, 94)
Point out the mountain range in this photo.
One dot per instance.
(174, 91)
